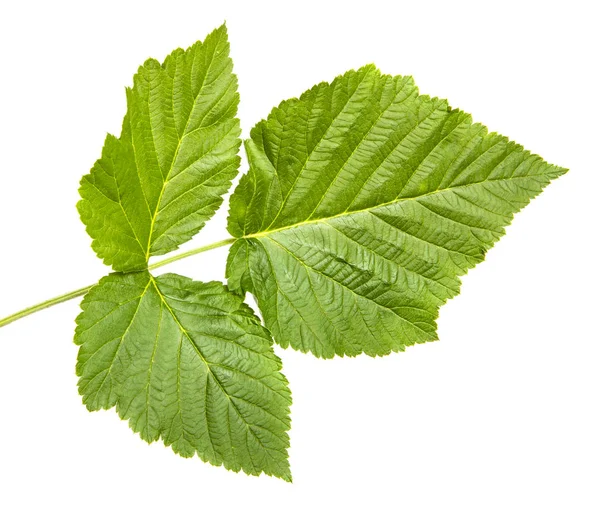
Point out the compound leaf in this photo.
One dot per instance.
(158, 183)
(364, 204)
(187, 362)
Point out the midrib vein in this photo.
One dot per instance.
(378, 206)
(175, 154)
(164, 186)
(207, 363)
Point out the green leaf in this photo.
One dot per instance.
(364, 204)
(187, 362)
(158, 183)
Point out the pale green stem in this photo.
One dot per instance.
(80, 292)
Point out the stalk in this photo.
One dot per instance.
(80, 292)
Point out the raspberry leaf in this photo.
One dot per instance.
(158, 183)
(364, 204)
(187, 362)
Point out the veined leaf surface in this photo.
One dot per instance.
(364, 204)
(158, 183)
(187, 362)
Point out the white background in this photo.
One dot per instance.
(502, 413)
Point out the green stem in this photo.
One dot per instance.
(189, 253)
(80, 292)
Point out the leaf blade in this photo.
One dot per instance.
(187, 362)
(364, 204)
(157, 184)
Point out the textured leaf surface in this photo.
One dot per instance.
(187, 362)
(158, 183)
(364, 203)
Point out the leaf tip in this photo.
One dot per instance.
(287, 476)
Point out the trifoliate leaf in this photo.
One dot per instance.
(158, 183)
(187, 362)
(364, 203)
